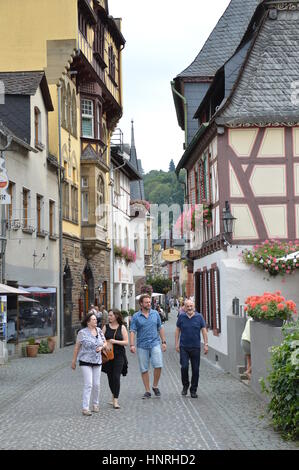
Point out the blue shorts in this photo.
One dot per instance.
(147, 356)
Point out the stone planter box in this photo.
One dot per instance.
(262, 338)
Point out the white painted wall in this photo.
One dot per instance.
(123, 273)
(240, 280)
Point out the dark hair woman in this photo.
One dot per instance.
(89, 344)
(115, 333)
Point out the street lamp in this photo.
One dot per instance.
(228, 222)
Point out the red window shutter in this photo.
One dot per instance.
(215, 280)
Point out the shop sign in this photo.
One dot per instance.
(171, 255)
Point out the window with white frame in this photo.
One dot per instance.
(87, 119)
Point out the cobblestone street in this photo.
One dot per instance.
(40, 408)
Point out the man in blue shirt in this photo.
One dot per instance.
(148, 326)
(187, 343)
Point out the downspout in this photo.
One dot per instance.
(60, 181)
(185, 109)
(186, 133)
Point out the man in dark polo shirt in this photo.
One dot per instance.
(187, 343)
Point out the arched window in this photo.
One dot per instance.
(69, 109)
(74, 114)
(63, 104)
(37, 126)
(101, 201)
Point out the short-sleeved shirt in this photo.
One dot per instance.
(190, 329)
(147, 329)
(89, 344)
(246, 332)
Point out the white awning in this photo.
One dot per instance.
(4, 289)
(22, 298)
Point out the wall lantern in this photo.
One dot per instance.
(228, 220)
(236, 306)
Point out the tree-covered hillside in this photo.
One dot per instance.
(164, 188)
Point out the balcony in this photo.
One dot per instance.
(88, 52)
(86, 7)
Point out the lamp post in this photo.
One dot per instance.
(228, 223)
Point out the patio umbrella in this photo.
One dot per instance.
(4, 289)
(26, 299)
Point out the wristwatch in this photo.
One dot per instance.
(163, 342)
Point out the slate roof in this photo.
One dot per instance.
(26, 83)
(5, 131)
(265, 92)
(224, 39)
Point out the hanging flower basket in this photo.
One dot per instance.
(274, 257)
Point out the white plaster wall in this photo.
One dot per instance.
(240, 280)
(137, 226)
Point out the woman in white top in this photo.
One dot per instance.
(245, 344)
(90, 342)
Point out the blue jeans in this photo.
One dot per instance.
(192, 354)
(147, 356)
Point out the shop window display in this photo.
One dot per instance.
(36, 315)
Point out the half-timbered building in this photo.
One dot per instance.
(243, 157)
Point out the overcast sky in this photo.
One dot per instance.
(162, 37)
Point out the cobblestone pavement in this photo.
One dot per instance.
(40, 408)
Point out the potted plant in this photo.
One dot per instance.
(51, 343)
(270, 308)
(43, 347)
(124, 313)
(32, 348)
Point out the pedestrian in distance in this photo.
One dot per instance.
(147, 325)
(116, 334)
(245, 344)
(187, 342)
(161, 313)
(89, 344)
(104, 316)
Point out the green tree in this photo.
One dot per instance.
(171, 166)
(160, 284)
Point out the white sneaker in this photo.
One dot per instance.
(96, 408)
(86, 412)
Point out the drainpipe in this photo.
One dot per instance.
(185, 109)
(60, 181)
(186, 130)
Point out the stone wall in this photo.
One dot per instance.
(262, 338)
(100, 267)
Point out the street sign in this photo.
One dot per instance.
(171, 255)
(4, 183)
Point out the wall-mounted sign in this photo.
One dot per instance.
(171, 255)
(4, 183)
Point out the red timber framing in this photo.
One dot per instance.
(207, 297)
(244, 168)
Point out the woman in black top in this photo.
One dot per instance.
(115, 333)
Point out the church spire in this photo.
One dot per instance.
(132, 135)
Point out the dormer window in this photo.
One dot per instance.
(38, 129)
